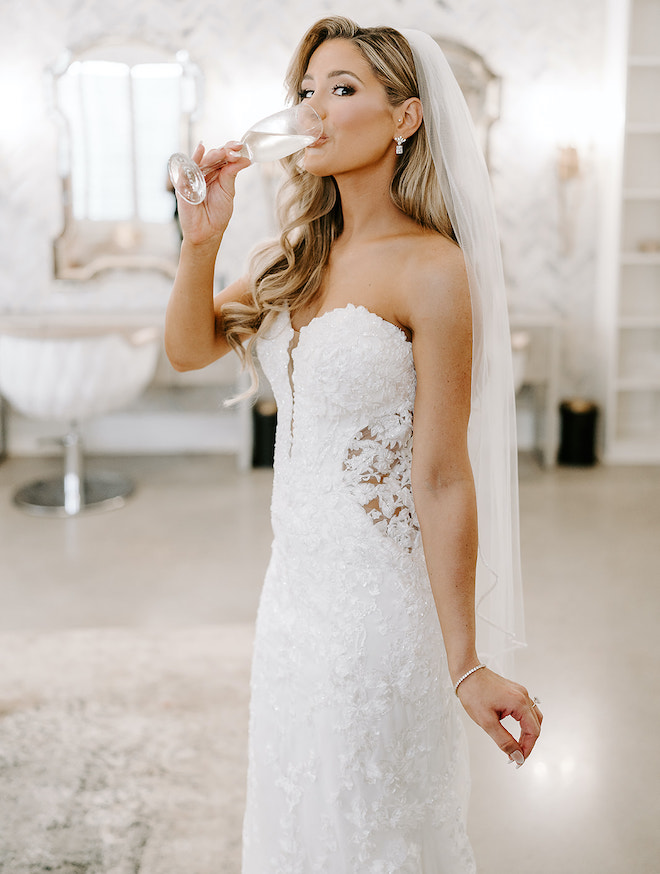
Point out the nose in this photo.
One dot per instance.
(316, 104)
(316, 121)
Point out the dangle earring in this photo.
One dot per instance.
(399, 145)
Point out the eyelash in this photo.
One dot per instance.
(307, 92)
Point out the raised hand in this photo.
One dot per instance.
(206, 222)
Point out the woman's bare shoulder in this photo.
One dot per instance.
(436, 259)
(434, 281)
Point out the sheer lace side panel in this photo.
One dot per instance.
(377, 470)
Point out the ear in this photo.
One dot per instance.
(408, 117)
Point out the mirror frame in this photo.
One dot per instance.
(481, 87)
(85, 248)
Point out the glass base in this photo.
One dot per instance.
(187, 178)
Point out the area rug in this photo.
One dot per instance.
(123, 751)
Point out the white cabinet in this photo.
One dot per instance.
(633, 403)
(539, 396)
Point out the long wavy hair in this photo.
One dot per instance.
(286, 274)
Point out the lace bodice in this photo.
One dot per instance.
(345, 418)
(357, 760)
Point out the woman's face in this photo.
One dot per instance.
(358, 122)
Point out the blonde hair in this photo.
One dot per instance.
(286, 274)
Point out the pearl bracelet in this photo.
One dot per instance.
(466, 675)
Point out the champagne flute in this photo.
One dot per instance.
(270, 139)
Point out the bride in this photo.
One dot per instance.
(393, 581)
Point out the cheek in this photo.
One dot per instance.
(351, 118)
(355, 117)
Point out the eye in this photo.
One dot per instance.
(343, 90)
(305, 93)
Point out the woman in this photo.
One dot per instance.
(382, 296)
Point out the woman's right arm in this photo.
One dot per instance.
(194, 336)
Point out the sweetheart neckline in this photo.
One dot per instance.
(345, 308)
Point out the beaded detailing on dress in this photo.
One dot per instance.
(357, 759)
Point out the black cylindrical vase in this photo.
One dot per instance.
(264, 418)
(578, 433)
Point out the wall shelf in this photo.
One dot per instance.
(638, 384)
(639, 127)
(643, 61)
(632, 322)
(641, 258)
(633, 395)
(641, 194)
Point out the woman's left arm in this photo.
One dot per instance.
(439, 317)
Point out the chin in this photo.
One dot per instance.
(315, 171)
(315, 164)
(320, 165)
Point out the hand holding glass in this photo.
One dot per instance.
(270, 139)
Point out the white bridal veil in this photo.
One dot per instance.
(466, 189)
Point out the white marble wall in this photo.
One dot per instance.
(548, 52)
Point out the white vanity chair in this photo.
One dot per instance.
(72, 373)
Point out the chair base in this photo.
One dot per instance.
(46, 497)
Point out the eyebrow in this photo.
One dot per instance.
(335, 73)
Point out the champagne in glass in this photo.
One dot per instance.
(270, 139)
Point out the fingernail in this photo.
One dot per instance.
(517, 757)
(233, 154)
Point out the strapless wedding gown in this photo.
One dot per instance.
(357, 758)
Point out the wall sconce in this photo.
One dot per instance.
(568, 171)
(569, 163)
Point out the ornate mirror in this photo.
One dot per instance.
(121, 110)
(480, 86)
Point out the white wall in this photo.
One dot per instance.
(548, 52)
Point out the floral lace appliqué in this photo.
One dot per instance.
(377, 470)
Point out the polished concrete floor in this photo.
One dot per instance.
(190, 549)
